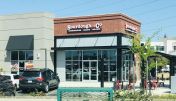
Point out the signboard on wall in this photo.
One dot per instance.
(130, 28)
(97, 27)
(29, 65)
(14, 67)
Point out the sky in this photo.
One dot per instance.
(155, 15)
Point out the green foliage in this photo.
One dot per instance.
(37, 93)
(161, 61)
(1, 93)
(166, 96)
(1, 69)
(144, 50)
(134, 96)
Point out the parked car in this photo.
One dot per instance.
(14, 78)
(40, 79)
(6, 86)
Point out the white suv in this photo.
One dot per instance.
(14, 78)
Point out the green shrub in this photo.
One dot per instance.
(1, 93)
(166, 96)
(135, 96)
(37, 93)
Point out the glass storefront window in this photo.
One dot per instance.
(106, 66)
(113, 66)
(106, 76)
(21, 55)
(90, 55)
(105, 54)
(75, 55)
(112, 75)
(29, 55)
(112, 55)
(68, 55)
(79, 63)
(21, 64)
(14, 55)
(126, 64)
(68, 67)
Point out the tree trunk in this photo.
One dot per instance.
(143, 82)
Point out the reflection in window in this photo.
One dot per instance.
(75, 59)
(112, 55)
(105, 54)
(90, 55)
(68, 55)
(29, 55)
(113, 66)
(75, 55)
(127, 64)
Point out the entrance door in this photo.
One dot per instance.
(90, 71)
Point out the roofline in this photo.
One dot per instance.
(97, 16)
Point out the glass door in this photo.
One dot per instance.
(86, 72)
(90, 71)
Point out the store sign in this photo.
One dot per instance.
(29, 65)
(84, 28)
(14, 67)
(130, 28)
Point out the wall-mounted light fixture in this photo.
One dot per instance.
(38, 55)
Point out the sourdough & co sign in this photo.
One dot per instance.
(84, 28)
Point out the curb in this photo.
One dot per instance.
(29, 97)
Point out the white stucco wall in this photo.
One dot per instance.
(61, 65)
(40, 25)
(170, 44)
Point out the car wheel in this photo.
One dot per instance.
(46, 88)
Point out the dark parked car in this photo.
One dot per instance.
(40, 79)
(6, 86)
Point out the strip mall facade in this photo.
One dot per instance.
(81, 43)
(72, 47)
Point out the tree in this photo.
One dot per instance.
(143, 51)
(161, 61)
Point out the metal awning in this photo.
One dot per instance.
(23, 42)
(87, 41)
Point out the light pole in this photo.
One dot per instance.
(156, 66)
(45, 56)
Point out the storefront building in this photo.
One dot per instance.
(26, 41)
(80, 44)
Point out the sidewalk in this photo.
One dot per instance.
(161, 90)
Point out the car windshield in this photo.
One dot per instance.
(31, 73)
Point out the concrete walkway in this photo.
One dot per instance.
(26, 98)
